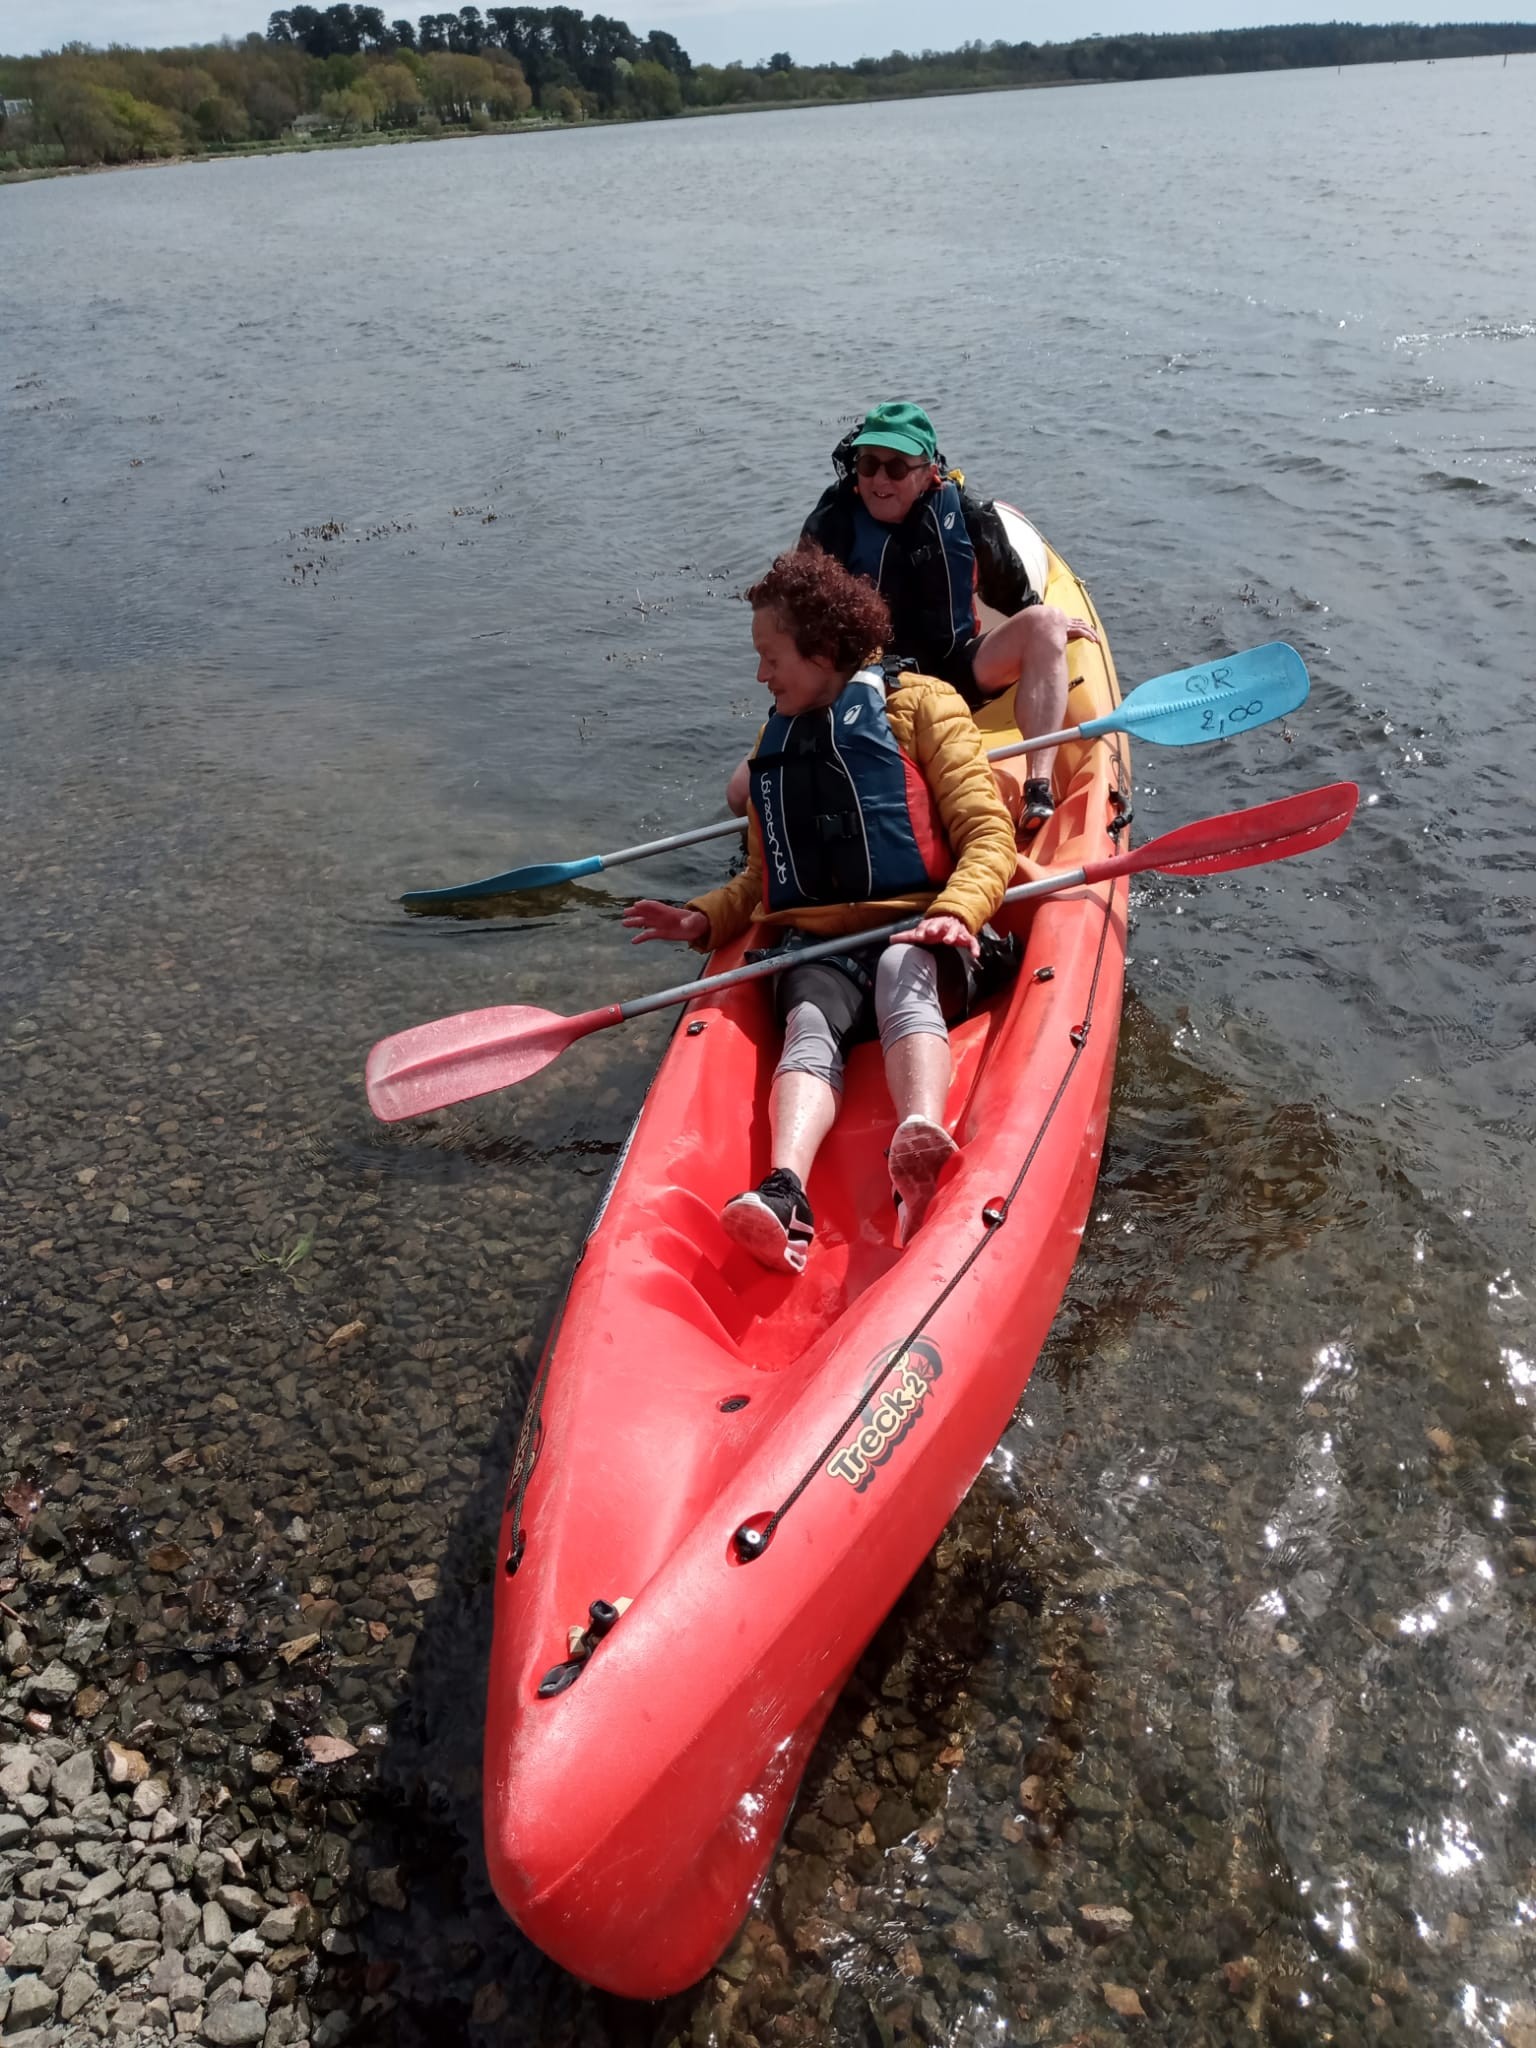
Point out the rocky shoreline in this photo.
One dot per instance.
(129, 1916)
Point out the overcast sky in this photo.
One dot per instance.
(715, 31)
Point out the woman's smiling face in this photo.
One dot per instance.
(889, 496)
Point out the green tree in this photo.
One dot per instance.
(271, 109)
(651, 91)
(221, 120)
(457, 86)
(351, 108)
(396, 94)
(509, 95)
(79, 117)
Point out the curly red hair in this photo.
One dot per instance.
(828, 612)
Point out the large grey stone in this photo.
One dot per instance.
(33, 2001)
(149, 1797)
(64, 1948)
(29, 1948)
(187, 1996)
(127, 1958)
(16, 1772)
(75, 1778)
(55, 1685)
(168, 1974)
(102, 1886)
(237, 2023)
(179, 1919)
(258, 1986)
(241, 1903)
(79, 1988)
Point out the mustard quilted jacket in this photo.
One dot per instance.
(931, 725)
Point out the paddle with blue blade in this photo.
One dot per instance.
(1184, 709)
(455, 1058)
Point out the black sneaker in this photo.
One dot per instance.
(1039, 805)
(773, 1222)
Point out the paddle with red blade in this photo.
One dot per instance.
(455, 1058)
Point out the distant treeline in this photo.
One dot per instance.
(346, 70)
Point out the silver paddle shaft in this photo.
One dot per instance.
(726, 826)
(800, 956)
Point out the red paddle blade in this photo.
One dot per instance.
(475, 1053)
(1242, 839)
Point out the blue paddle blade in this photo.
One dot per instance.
(1210, 703)
(549, 875)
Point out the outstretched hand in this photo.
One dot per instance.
(940, 931)
(649, 919)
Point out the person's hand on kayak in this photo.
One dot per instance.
(649, 919)
(1079, 629)
(940, 931)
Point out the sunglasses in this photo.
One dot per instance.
(896, 467)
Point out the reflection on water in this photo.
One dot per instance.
(1239, 1635)
(365, 532)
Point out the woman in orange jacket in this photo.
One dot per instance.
(870, 798)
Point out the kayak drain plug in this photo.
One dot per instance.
(559, 1676)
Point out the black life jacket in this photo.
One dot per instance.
(845, 817)
(925, 568)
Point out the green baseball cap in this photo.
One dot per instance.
(900, 426)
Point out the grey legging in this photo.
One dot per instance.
(822, 1010)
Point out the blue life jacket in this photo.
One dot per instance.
(925, 569)
(845, 817)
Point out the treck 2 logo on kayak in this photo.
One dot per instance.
(889, 1415)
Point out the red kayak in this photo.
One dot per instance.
(727, 1476)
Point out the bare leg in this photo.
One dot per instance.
(917, 1072)
(918, 1066)
(801, 1111)
(1029, 649)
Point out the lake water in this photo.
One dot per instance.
(373, 519)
